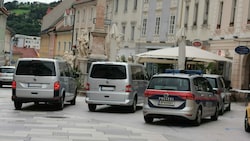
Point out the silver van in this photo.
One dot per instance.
(115, 83)
(43, 80)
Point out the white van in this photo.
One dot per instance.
(115, 83)
(43, 80)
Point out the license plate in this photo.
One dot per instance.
(166, 103)
(107, 88)
(34, 85)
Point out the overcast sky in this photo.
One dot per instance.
(44, 1)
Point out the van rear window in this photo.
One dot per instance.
(36, 67)
(105, 71)
(7, 70)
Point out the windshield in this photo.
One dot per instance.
(36, 67)
(7, 70)
(105, 71)
(212, 81)
(169, 83)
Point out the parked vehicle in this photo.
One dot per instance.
(247, 118)
(6, 75)
(180, 95)
(43, 80)
(115, 83)
(222, 89)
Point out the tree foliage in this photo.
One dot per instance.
(25, 18)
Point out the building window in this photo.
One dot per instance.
(186, 16)
(116, 5)
(157, 25)
(206, 11)
(196, 10)
(71, 20)
(78, 16)
(172, 24)
(220, 15)
(248, 18)
(135, 4)
(144, 27)
(91, 14)
(69, 46)
(83, 15)
(59, 46)
(123, 32)
(132, 32)
(126, 6)
(107, 11)
(65, 44)
(234, 4)
(65, 20)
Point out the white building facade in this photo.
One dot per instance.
(221, 26)
(25, 41)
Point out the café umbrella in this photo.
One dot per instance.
(170, 55)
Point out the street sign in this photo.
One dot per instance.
(242, 50)
(196, 43)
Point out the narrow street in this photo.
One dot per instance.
(76, 123)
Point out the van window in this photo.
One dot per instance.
(137, 73)
(169, 83)
(105, 71)
(36, 67)
(7, 70)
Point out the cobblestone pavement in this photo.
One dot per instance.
(28, 125)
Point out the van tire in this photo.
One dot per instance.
(148, 119)
(18, 105)
(92, 107)
(229, 107)
(198, 118)
(132, 108)
(73, 101)
(246, 123)
(60, 105)
(216, 114)
(222, 109)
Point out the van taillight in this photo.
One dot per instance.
(56, 86)
(128, 88)
(87, 87)
(188, 96)
(13, 84)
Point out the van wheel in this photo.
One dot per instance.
(18, 105)
(222, 109)
(216, 114)
(148, 119)
(61, 104)
(132, 108)
(247, 126)
(229, 107)
(73, 101)
(92, 107)
(197, 120)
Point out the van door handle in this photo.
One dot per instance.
(34, 93)
(106, 96)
